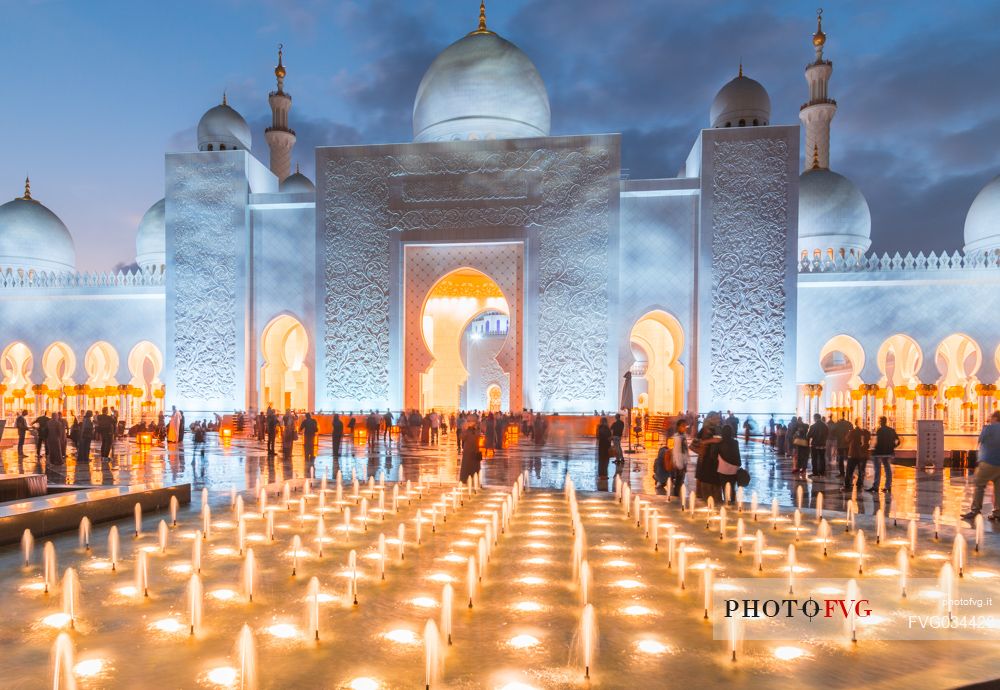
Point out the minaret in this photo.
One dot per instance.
(817, 113)
(280, 139)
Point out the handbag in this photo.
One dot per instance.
(804, 442)
(742, 477)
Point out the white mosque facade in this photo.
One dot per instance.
(488, 263)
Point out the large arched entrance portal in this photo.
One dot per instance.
(657, 341)
(464, 324)
(284, 377)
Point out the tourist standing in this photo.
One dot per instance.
(680, 457)
(86, 437)
(729, 462)
(817, 435)
(54, 440)
(174, 429)
(800, 449)
(272, 429)
(387, 424)
(617, 429)
(435, 426)
(41, 425)
(309, 429)
(842, 428)
(706, 470)
(338, 434)
(106, 429)
(21, 424)
(287, 432)
(886, 442)
(858, 441)
(603, 447)
(372, 422)
(472, 458)
(987, 469)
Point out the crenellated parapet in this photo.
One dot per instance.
(20, 279)
(879, 264)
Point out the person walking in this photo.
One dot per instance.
(858, 442)
(617, 430)
(54, 440)
(372, 422)
(729, 463)
(105, 426)
(680, 456)
(800, 449)
(435, 426)
(309, 428)
(21, 424)
(272, 429)
(886, 442)
(387, 426)
(817, 436)
(41, 432)
(603, 447)
(472, 457)
(86, 437)
(706, 470)
(987, 469)
(287, 432)
(842, 430)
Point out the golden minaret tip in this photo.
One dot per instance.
(224, 101)
(27, 189)
(279, 71)
(819, 38)
(482, 20)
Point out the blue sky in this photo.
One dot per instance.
(97, 91)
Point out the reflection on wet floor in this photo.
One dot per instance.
(244, 464)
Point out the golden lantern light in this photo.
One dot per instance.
(159, 393)
(987, 390)
(18, 393)
(953, 392)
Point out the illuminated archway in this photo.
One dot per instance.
(457, 330)
(284, 377)
(145, 362)
(657, 341)
(899, 359)
(58, 365)
(841, 359)
(17, 362)
(958, 359)
(101, 365)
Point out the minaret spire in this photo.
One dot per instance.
(27, 189)
(817, 113)
(280, 138)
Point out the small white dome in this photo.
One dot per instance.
(833, 214)
(982, 224)
(223, 128)
(743, 102)
(481, 87)
(297, 183)
(151, 238)
(33, 238)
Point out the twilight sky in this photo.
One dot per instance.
(97, 91)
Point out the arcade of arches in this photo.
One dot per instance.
(657, 341)
(61, 385)
(955, 395)
(284, 376)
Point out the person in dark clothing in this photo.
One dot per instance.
(733, 422)
(729, 462)
(387, 426)
(841, 431)
(800, 450)
(272, 429)
(261, 426)
(617, 430)
(472, 458)
(41, 433)
(308, 428)
(105, 427)
(603, 447)
(886, 442)
(86, 437)
(706, 470)
(338, 434)
(350, 428)
(21, 424)
(818, 434)
(55, 440)
(858, 441)
(371, 426)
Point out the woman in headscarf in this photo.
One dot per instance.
(472, 457)
(706, 471)
(603, 447)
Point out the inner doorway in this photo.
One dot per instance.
(657, 341)
(284, 377)
(464, 324)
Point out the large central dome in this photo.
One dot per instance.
(481, 87)
(32, 238)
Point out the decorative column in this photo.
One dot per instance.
(3, 401)
(813, 393)
(39, 389)
(985, 393)
(125, 403)
(927, 392)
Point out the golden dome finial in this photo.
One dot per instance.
(741, 68)
(224, 101)
(279, 71)
(815, 157)
(27, 189)
(296, 167)
(819, 38)
(482, 20)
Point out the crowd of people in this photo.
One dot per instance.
(52, 434)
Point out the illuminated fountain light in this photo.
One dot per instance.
(523, 642)
(88, 668)
(453, 558)
(540, 533)
(441, 578)
(935, 556)
(57, 620)
(128, 591)
(873, 619)
(424, 602)
(637, 610)
(537, 560)
(472, 531)
(32, 587)
(542, 523)
(538, 546)
(363, 683)
(97, 564)
(726, 587)
(886, 572)
(180, 568)
(982, 574)
(517, 685)
(222, 676)
(789, 653)
(170, 626)
(652, 647)
(226, 524)
(527, 606)
(530, 580)
(826, 590)
(282, 631)
(224, 551)
(463, 543)
(628, 584)
(223, 594)
(402, 636)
